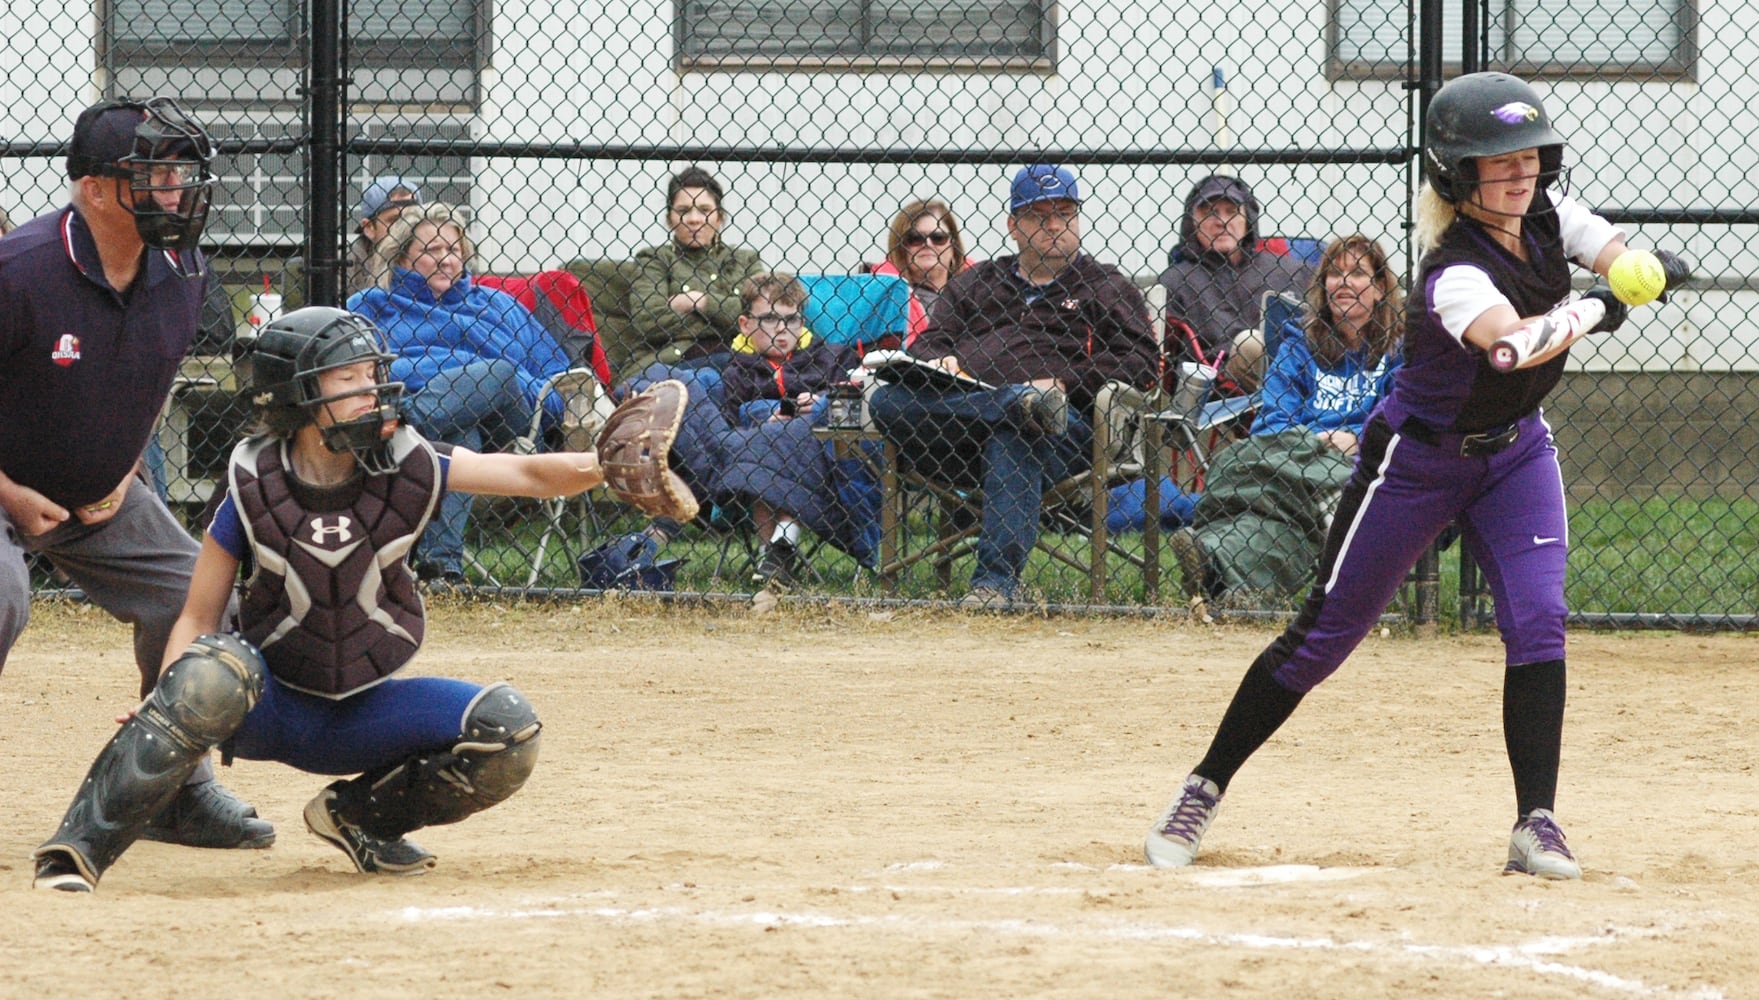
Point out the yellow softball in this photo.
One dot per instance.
(1636, 277)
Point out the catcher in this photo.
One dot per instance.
(323, 506)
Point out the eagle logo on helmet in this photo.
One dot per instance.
(1516, 112)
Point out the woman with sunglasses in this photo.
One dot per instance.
(924, 248)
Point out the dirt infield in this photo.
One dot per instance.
(828, 803)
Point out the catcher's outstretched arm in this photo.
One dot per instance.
(552, 474)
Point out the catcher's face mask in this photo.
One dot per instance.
(356, 410)
(320, 360)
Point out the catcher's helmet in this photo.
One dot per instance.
(164, 155)
(1485, 114)
(289, 354)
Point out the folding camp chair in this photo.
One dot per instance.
(1197, 421)
(557, 300)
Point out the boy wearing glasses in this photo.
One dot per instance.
(1050, 326)
(774, 391)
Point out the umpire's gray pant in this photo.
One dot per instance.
(137, 566)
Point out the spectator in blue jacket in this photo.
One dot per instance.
(472, 360)
(1258, 527)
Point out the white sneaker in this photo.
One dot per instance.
(1173, 841)
(1536, 847)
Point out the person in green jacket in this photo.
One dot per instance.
(684, 300)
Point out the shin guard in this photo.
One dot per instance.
(199, 701)
(495, 753)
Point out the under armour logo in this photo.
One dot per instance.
(321, 531)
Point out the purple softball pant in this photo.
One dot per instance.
(1510, 507)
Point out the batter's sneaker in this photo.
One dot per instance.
(207, 814)
(370, 854)
(1536, 847)
(57, 870)
(1173, 841)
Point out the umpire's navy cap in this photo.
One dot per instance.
(103, 134)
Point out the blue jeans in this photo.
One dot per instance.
(479, 406)
(971, 439)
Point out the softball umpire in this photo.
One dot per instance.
(1455, 440)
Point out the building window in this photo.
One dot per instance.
(1583, 39)
(259, 198)
(865, 34)
(251, 52)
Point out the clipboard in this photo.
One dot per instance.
(905, 369)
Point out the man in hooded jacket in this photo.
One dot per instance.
(1217, 276)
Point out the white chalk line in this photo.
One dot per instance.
(1537, 956)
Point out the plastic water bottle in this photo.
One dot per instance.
(265, 307)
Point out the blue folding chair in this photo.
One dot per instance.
(867, 311)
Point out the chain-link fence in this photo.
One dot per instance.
(873, 151)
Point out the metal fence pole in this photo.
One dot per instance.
(324, 116)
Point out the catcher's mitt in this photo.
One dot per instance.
(635, 448)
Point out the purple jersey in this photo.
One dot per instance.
(1449, 384)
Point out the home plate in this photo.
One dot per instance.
(1270, 875)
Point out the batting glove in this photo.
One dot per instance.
(1678, 270)
(1616, 311)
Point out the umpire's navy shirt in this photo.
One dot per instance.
(85, 369)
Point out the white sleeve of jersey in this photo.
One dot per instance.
(1583, 233)
(1461, 294)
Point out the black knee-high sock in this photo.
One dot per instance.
(1260, 706)
(1532, 728)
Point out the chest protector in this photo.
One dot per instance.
(332, 603)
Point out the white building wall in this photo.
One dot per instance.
(1127, 78)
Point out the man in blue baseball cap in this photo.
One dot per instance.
(1043, 182)
(379, 206)
(1050, 326)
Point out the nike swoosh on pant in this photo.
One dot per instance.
(1542, 541)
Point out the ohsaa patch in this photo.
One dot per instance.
(1516, 112)
(66, 350)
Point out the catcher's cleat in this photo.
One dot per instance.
(370, 854)
(207, 814)
(57, 870)
(1173, 841)
(1536, 847)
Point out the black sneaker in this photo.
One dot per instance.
(435, 578)
(56, 870)
(370, 854)
(778, 565)
(209, 815)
